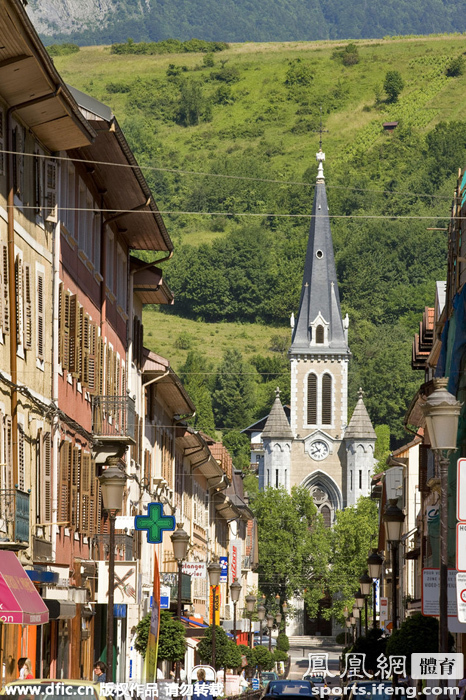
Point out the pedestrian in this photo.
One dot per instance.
(100, 670)
(26, 670)
(21, 673)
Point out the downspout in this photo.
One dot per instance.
(11, 272)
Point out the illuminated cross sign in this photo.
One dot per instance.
(155, 522)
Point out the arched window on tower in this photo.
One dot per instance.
(319, 335)
(327, 516)
(312, 399)
(326, 399)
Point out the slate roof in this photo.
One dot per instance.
(360, 426)
(277, 425)
(320, 285)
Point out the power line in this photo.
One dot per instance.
(179, 171)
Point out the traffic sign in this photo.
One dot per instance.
(461, 596)
(255, 684)
(461, 490)
(461, 546)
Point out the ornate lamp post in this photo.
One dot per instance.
(112, 486)
(353, 623)
(394, 519)
(214, 569)
(441, 411)
(180, 541)
(359, 602)
(235, 590)
(270, 625)
(347, 626)
(250, 604)
(374, 564)
(365, 583)
(285, 610)
(261, 615)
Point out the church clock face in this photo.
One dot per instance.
(318, 450)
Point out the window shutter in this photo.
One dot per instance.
(75, 488)
(50, 203)
(85, 347)
(92, 358)
(21, 459)
(312, 399)
(27, 308)
(95, 502)
(423, 462)
(4, 291)
(147, 461)
(41, 316)
(46, 478)
(100, 371)
(8, 452)
(64, 327)
(326, 399)
(38, 183)
(64, 484)
(18, 160)
(86, 525)
(76, 334)
(19, 299)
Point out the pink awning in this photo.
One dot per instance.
(20, 603)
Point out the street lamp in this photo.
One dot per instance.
(214, 570)
(250, 604)
(261, 615)
(353, 622)
(270, 625)
(285, 610)
(235, 590)
(374, 564)
(112, 486)
(441, 411)
(365, 583)
(394, 519)
(348, 625)
(180, 541)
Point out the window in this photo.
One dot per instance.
(319, 335)
(360, 478)
(326, 399)
(277, 481)
(4, 305)
(68, 197)
(40, 315)
(110, 262)
(312, 399)
(327, 516)
(50, 197)
(18, 139)
(44, 476)
(21, 459)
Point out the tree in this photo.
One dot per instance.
(234, 392)
(264, 658)
(172, 644)
(293, 545)
(417, 634)
(351, 540)
(393, 85)
(382, 445)
(195, 374)
(227, 654)
(454, 69)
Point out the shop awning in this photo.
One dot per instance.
(20, 603)
(60, 609)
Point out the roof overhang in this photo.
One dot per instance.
(148, 283)
(225, 507)
(117, 173)
(201, 459)
(414, 415)
(169, 386)
(32, 87)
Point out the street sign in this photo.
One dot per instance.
(430, 592)
(461, 490)
(461, 546)
(255, 684)
(223, 561)
(461, 596)
(164, 597)
(383, 609)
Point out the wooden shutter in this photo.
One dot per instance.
(85, 490)
(92, 361)
(45, 475)
(85, 347)
(8, 442)
(50, 198)
(4, 291)
(75, 488)
(100, 367)
(94, 502)
(64, 327)
(64, 482)
(38, 182)
(423, 461)
(21, 459)
(27, 306)
(76, 334)
(40, 316)
(327, 399)
(147, 461)
(19, 299)
(312, 399)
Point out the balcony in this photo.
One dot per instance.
(14, 519)
(171, 580)
(124, 546)
(114, 419)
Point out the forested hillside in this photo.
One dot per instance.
(228, 140)
(107, 21)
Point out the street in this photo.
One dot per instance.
(301, 647)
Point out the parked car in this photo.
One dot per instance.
(58, 690)
(265, 640)
(317, 680)
(371, 690)
(268, 676)
(291, 690)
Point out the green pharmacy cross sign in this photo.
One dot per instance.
(155, 522)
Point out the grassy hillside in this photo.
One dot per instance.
(228, 141)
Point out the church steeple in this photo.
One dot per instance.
(319, 322)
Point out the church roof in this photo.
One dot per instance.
(319, 294)
(360, 426)
(277, 425)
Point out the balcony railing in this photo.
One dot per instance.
(114, 418)
(14, 516)
(171, 580)
(124, 545)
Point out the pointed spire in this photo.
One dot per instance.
(320, 158)
(360, 425)
(277, 425)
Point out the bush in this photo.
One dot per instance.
(283, 643)
(279, 343)
(340, 638)
(184, 341)
(455, 68)
(279, 655)
(393, 85)
(228, 74)
(417, 634)
(62, 49)
(299, 74)
(264, 658)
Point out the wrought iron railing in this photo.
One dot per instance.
(122, 542)
(14, 515)
(113, 417)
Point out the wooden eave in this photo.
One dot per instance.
(197, 451)
(414, 415)
(148, 283)
(169, 387)
(27, 75)
(124, 188)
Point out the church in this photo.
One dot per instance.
(310, 443)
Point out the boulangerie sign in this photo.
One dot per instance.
(195, 569)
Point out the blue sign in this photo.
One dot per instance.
(223, 561)
(164, 602)
(255, 684)
(155, 522)
(119, 610)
